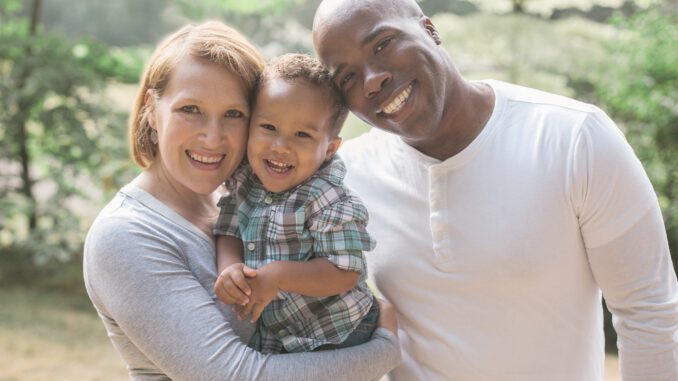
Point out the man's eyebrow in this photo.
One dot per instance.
(367, 40)
(372, 35)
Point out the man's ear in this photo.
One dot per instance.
(432, 31)
(332, 148)
(149, 101)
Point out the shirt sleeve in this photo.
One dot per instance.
(227, 222)
(628, 251)
(339, 231)
(143, 287)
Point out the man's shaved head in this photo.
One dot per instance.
(335, 9)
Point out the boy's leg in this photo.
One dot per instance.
(362, 333)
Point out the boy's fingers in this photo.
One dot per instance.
(234, 292)
(239, 280)
(249, 272)
(247, 310)
(256, 312)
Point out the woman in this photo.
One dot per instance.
(149, 256)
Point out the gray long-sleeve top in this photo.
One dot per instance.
(149, 273)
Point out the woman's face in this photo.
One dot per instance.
(201, 120)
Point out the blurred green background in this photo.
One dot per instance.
(68, 73)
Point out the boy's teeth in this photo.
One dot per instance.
(278, 166)
(398, 101)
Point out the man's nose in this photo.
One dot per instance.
(375, 80)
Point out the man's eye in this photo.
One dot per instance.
(234, 114)
(302, 134)
(382, 45)
(190, 109)
(268, 127)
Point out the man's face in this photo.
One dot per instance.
(388, 66)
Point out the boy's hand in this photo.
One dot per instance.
(231, 286)
(264, 289)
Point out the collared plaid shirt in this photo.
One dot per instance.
(318, 218)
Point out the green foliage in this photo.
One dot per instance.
(639, 88)
(200, 9)
(58, 138)
(637, 85)
(523, 49)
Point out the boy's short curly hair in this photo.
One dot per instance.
(293, 66)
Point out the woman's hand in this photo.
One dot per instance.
(387, 316)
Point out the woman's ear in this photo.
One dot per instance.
(332, 148)
(149, 101)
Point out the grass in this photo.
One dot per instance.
(50, 336)
(58, 337)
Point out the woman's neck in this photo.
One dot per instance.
(199, 209)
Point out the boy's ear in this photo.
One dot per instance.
(332, 148)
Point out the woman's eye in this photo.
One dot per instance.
(268, 127)
(190, 109)
(302, 134)
(234, 114)
(382, 45)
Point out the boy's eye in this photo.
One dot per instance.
(302, 134)
(191, 109)
(234, 114)
(268, 127)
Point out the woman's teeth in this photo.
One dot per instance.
(206, 159)
(399, 101)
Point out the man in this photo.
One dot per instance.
(500, 213)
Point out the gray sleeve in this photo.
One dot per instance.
(141, 283)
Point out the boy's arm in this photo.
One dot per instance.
(317, 277)
(229, 251)
(231, 286)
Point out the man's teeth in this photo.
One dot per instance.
(278, 166)
(206, 159)
(398, 102)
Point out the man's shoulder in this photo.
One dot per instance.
(530, 97)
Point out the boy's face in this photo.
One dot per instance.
(290, 134)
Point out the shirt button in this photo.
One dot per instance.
(250, 246)
(268, 199)
(282, 333)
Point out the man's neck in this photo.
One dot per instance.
(464, 119)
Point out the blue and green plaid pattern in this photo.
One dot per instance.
(318, 218)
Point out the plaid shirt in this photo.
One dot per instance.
(318, 218)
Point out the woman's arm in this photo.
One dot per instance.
(141, 284)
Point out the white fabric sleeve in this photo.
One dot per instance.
(156, 301)
(627, 247)
(638, 282)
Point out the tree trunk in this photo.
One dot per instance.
(518, 6)
(23, 112)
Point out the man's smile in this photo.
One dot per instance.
(397, 103)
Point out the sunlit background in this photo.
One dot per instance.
(68, 73)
